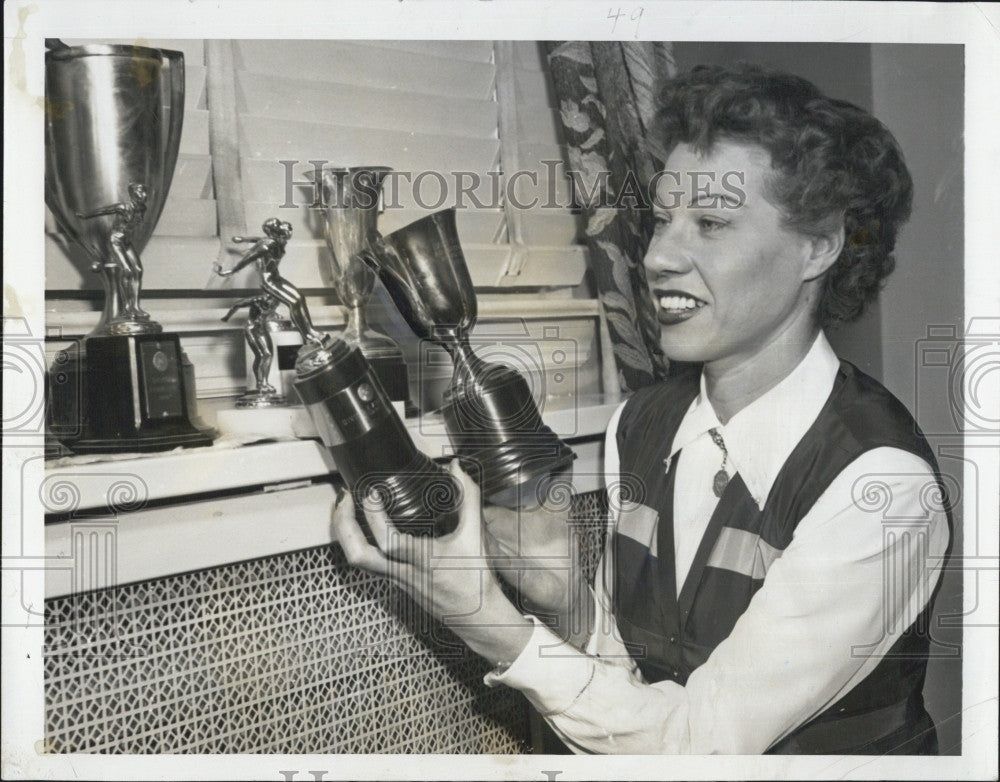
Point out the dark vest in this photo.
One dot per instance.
(670, 635)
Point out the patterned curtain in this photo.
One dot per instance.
(607, 100)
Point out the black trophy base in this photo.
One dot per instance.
(422, 499)
(371, 447)
(390, 369)
(134, 394)
(499, 436)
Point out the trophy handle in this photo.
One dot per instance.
(173, 86)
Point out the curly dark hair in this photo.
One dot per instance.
(832, 161)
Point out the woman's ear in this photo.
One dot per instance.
(824, 251)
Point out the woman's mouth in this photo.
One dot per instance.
(675, 306)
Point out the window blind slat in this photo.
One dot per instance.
(476, 51)
(185, 263)
(365, 66)
(478, 226)
(269, 139)
(194, 136)
(347, 104)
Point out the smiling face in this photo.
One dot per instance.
(730, 283)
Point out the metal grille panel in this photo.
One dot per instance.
(296, 653)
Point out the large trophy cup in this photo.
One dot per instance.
(351, 199)
(490, 415)
(112, 134)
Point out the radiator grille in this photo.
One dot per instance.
(295, 653)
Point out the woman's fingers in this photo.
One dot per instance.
(390, 540)
(471, 512)
(357, 549)
(500, 520)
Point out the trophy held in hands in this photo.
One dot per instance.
(110, 152)
(490, 415)
(351, 199)
(351, 411)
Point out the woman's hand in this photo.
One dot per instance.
(449, 576)
(537, 553)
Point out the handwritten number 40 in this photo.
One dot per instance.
(616, 14)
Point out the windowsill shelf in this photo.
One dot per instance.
(191, 509)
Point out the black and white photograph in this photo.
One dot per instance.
(466, 389)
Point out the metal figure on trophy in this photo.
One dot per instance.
(128, 216)
(109, 163)
(266, 253)
(351, 199)
(262, 318)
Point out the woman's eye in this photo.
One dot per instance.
(661, 219)
(711, 224)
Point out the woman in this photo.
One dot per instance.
(741, 606)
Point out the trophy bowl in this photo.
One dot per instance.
(351, 199)
(491, 417)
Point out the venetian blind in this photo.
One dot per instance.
(432, 109)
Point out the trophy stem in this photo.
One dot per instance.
(468, 365)
(112, 301)
(357, 324)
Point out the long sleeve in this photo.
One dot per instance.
(817, 627)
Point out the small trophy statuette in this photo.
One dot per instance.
(351, 411)
(262, 319)
(128, 216)
(267, 252)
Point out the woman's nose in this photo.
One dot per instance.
(668, 252)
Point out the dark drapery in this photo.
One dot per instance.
(606, 93)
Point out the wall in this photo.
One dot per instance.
(917, 91)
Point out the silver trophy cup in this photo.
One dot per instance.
(112, 134)
(114, 123)
(351, 199)
(490, 415)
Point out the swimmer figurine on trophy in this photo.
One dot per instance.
(109, 159)
(351, 411)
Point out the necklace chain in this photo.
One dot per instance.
(721, 479)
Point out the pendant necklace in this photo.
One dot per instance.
(721, 479)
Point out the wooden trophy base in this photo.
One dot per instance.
(133, 398)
